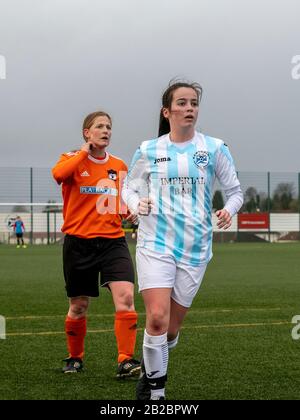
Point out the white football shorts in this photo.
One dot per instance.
(157, 270)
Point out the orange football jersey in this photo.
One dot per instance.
(91, 191)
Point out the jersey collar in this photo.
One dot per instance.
(182, 148)
(99, 162)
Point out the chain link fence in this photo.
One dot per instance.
(271, 210)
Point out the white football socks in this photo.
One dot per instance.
(156, 355)
(173, 343)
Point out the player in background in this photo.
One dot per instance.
(95, 242)
(19, 230)
(174, 242)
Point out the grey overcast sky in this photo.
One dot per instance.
(66, 58)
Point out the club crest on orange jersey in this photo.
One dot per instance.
(112, 174)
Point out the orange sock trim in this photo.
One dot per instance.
(75, 331)
(125, 331)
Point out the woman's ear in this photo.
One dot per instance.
(85, 133)
(166, 113)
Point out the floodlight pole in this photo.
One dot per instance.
(31, 207)
(269, 204)
(299, 198)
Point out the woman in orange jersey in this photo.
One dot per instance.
(95, 242)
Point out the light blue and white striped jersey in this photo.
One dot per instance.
(180, 180)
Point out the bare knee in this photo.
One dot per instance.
(78, 308)
(157, 322)
(127, 301)
(124, 301)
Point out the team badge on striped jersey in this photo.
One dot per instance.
(201, 158)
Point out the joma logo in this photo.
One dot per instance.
(159, 160)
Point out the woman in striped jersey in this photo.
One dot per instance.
(170, 185)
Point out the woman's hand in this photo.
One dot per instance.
(224, 219)
(145, 206)
(87, 147)
(132, 218)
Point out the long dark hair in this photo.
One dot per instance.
(164, 125)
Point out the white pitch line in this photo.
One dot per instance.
(29, 317)
(194, 327)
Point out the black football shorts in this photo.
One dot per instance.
(85, 259)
